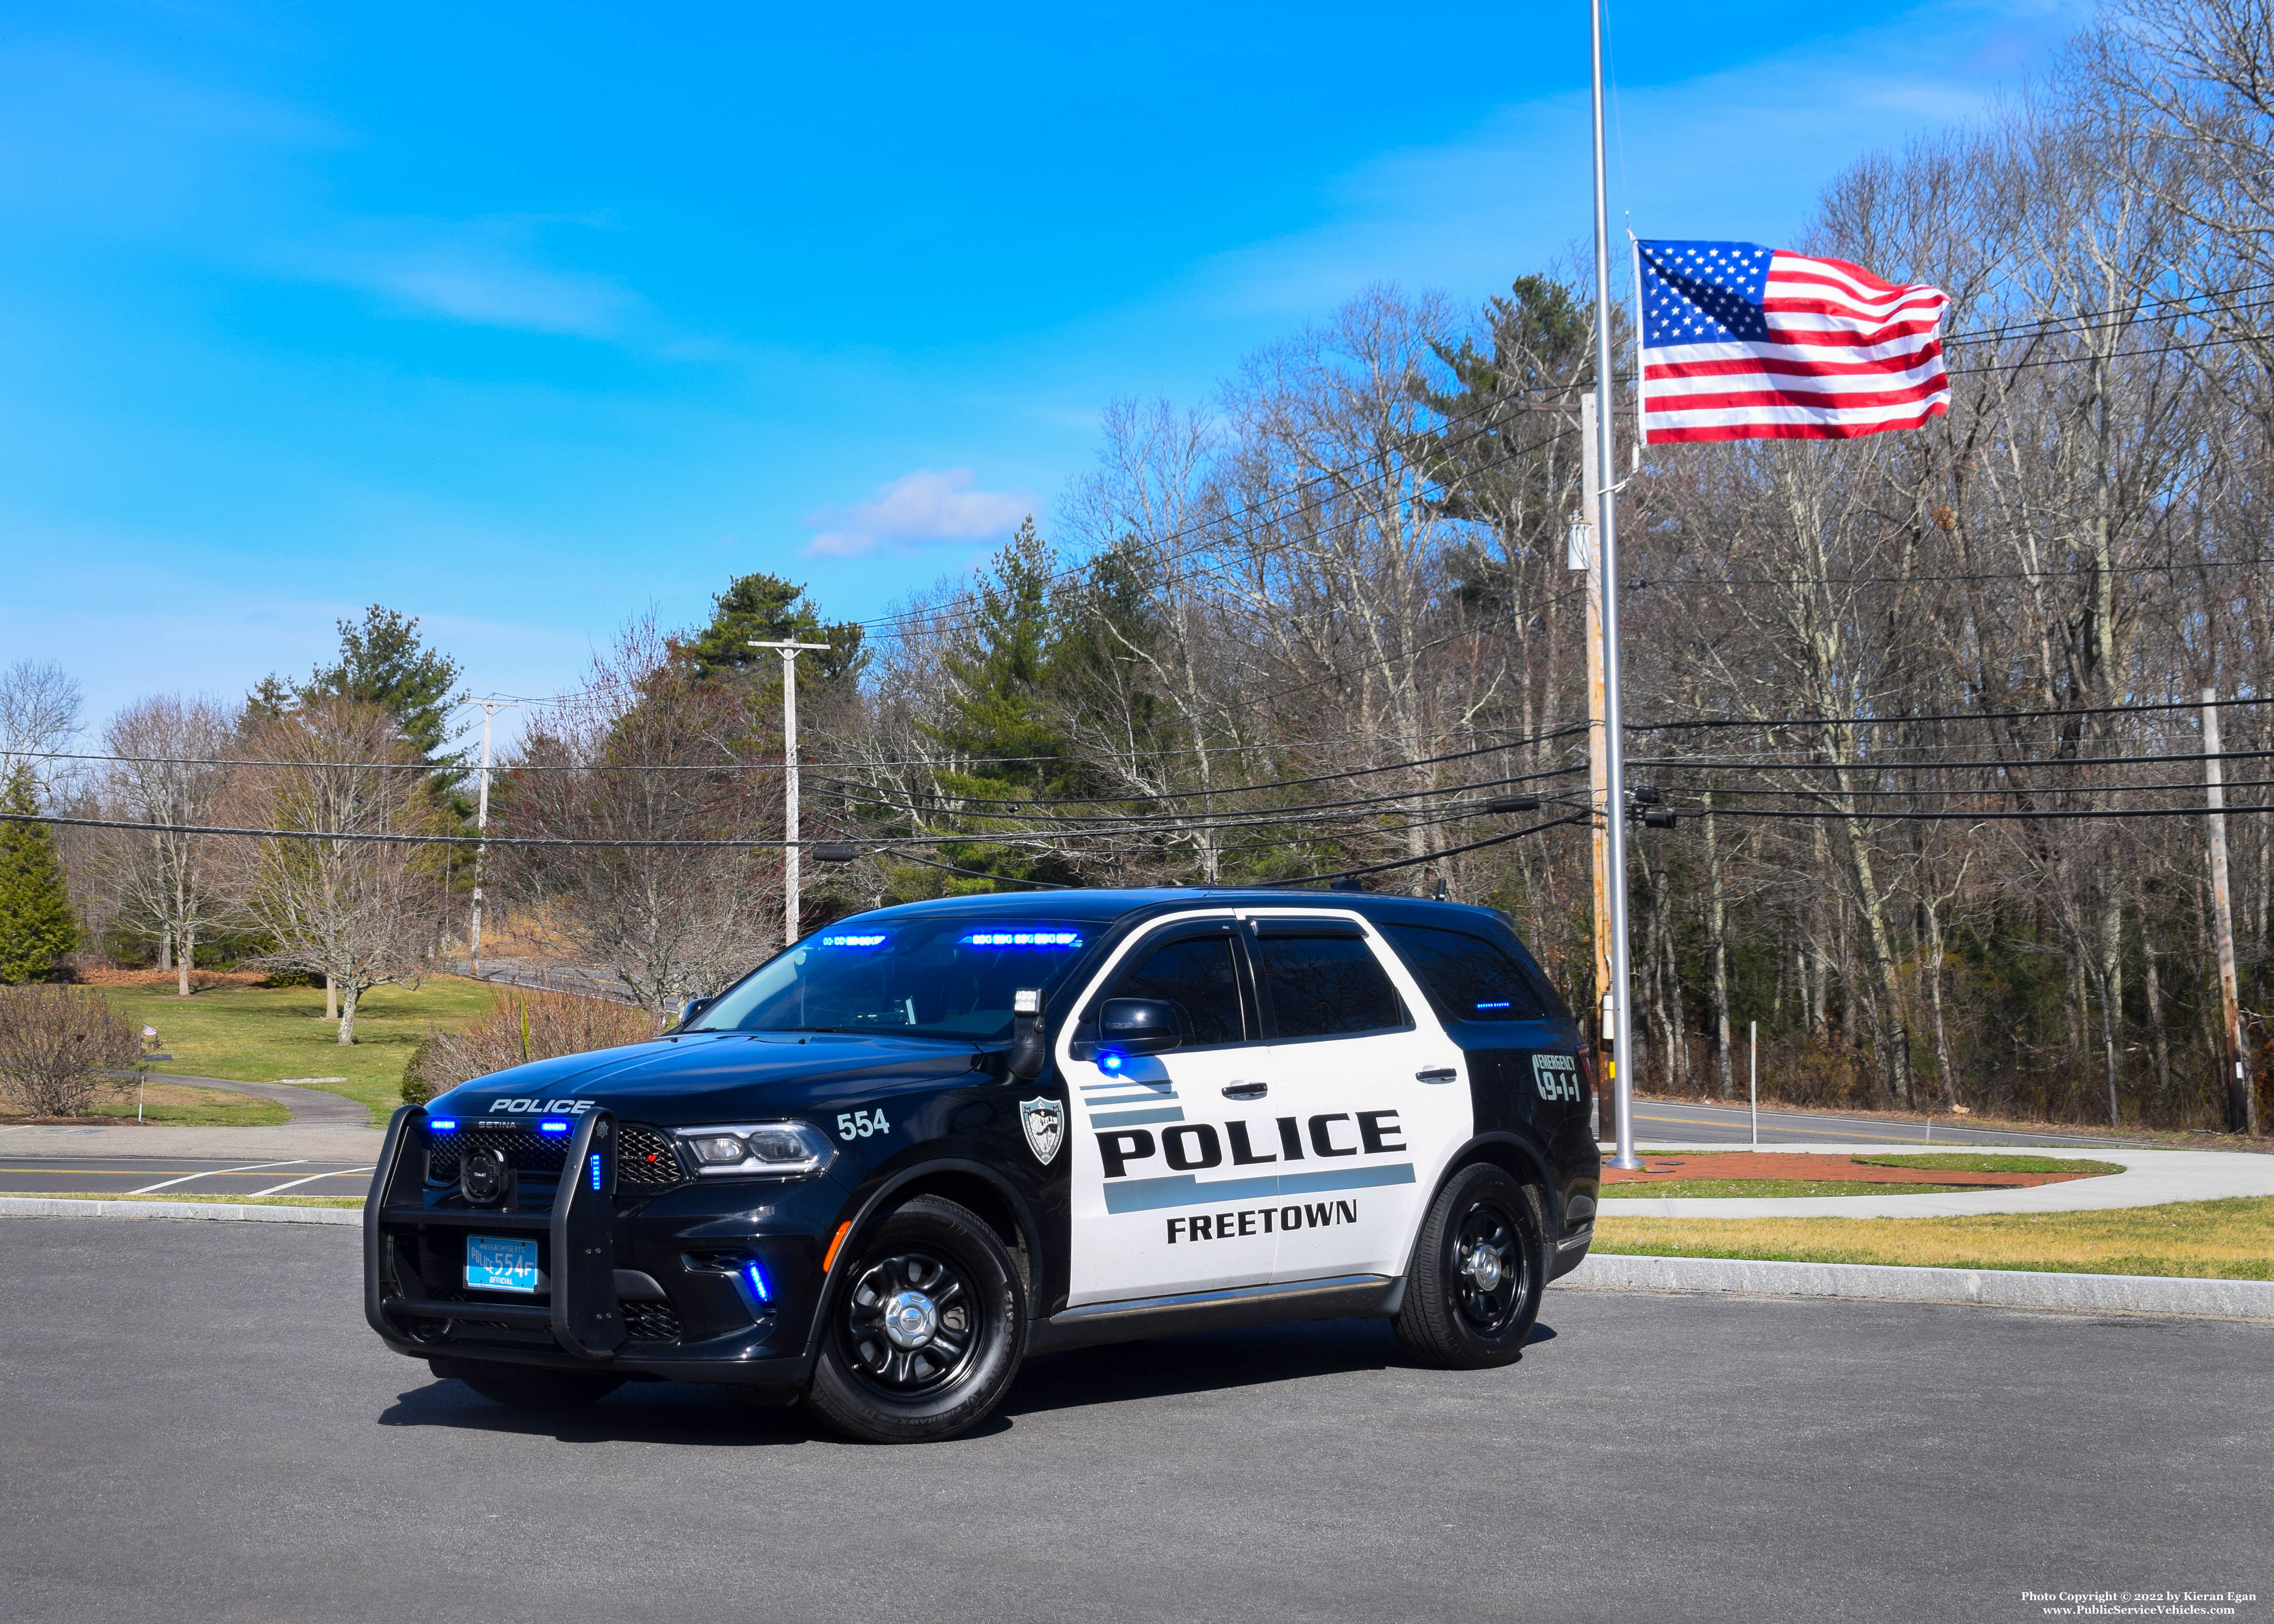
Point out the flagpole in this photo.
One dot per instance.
(1606, 550)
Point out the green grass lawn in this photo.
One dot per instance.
(268, 1035)
(1960, 1161)
(2231, 1239)
(1788, 1188)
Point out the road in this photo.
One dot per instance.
(1665, 1121)
(182, 1175)
(202, 1427)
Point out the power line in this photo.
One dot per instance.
(1976, 818)
(1948, 716)
(1915, 766)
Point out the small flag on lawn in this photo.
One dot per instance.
(1741, 341)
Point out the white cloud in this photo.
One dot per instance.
(482, 272)
(924, 507)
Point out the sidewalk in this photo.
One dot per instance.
(2150, 1179)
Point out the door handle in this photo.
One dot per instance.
(1436, 1074)
(1245, 1091)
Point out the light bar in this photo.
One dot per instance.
(441, 1125)
(1500, 1005)
(552, 1127)
(757, 1276)
(1023, 939)
(596, 1170)
(852, 939)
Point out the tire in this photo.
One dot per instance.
(954, 1352)
(534, 1389)
(1479, 1265)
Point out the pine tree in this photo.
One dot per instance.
(767, 608)
(37, 926)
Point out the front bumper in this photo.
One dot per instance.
(637, 1282)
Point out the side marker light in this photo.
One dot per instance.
(829, 1258)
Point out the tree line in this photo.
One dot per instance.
(1924, 704)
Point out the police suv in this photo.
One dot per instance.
(929, 1140)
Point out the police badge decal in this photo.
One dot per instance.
(1044, 1121)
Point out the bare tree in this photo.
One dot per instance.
(359, 911)
(169, 768)
(667, 922)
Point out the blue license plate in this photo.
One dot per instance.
(500, 1263)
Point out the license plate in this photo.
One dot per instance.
(500, 1263)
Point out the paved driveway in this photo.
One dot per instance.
(201, 1427)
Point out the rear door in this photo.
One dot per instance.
(1368, 1100)
(1147, 1129)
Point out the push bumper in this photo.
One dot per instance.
(591, 1249)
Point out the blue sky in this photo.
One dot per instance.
(524, 318)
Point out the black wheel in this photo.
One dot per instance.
(531, 1389)
(927, 1325)
(1479, 1265)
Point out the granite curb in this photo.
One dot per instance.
(2128, 1294)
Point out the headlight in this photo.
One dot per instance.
(772, 1147)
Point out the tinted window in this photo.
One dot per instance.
(1197, 978)
(1469, 977)
(1326, 987)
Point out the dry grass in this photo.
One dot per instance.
(2215, 1240)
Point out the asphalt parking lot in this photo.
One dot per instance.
(201, 1427)
(182, 1175)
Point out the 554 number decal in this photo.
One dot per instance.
(861, 1124)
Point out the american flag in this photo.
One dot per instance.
(1741, 341)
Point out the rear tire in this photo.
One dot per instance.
(1479, 1266)
(540, 1390)
(924, 1330)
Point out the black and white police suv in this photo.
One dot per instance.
(930, 1140)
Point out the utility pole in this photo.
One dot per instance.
(490, 708)
(789, 652)
(2241, 1093)
(1607, 546)
(1580, 554)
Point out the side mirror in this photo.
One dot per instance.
(692, 1008)
(1029, 1053)
(1138, 1026)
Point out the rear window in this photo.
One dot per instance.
(1323, 987)
(1468, 977)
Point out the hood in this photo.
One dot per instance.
(713, 1076)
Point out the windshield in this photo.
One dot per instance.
(933, 978)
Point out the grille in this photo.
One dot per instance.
(649, 1321)
(647, 1159)
(525, 1151)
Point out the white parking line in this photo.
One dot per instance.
(250, 1166)
(312, 1177)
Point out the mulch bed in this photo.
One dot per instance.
(1771, 1164)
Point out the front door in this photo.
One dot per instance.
(1147, 1129)
(1369, 1097)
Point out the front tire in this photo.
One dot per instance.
(926, 1330)
(1479, 1266)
